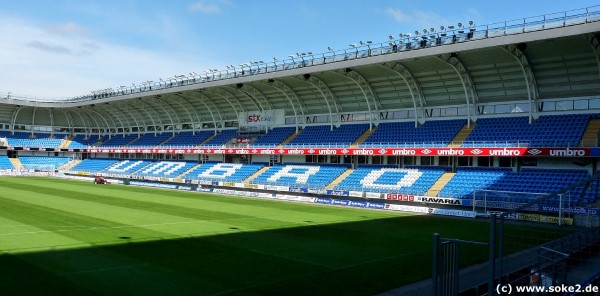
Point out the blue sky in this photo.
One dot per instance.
(59, 48)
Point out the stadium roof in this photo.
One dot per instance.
(528, 59)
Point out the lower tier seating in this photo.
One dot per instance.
(94, 165)
(225, 172)
(36, 162)
(408, 180)
(467, 181)
(303, 175)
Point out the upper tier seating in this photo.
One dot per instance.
(94, 165)
(119, 140)
(546, 131)
(5, 163)
(33, 162)
(314, 176)
(126, 167)
(468, 180)
(187, 139)
(415, 181)
(40, 140)
(81, 142)
(433, 133)
(165, 169)
(225, 172)
(274, 137)
(323, 136)
(150, 140)
(221, 138)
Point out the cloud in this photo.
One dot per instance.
(475, 12)
(398, 15)
(68, 29)
(38, 64)
(418, 19)
(210, 6)
(49, 47)
(206, 8)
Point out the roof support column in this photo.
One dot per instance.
(456, 64)
(285, 89)
(516, 51)
(411, 83)
(326, 93)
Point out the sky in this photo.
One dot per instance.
(61, 48)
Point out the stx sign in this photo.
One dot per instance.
(515, 152)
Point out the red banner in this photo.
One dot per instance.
(243, 140)
(518, 152)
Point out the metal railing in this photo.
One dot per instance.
(405, 42)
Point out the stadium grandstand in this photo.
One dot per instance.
(438, 119)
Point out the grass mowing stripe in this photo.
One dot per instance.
(361, 252)
(206, 199)
(254, 207)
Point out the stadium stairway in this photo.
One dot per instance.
(165, 141)
(439, 184)
(65, 143)
(590, 135)
(69, 165)
(289, 139)
(187, 171)
(256, 174)
(363, 137)
(462, 135)
(340, 178)
(207, 139)
(16, 163)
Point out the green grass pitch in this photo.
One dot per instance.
(66, 237)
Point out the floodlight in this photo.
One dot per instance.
(329, 48)
(471, 23)
(310, 52)
(361, 43)
(391, 37)
(416, 32)
(369, 42)
(460, 25)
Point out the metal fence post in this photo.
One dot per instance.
(434, 273)
(492, 255)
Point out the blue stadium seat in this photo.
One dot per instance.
(323, 136)
(33, 162)
(83, 141)
(225, 172)
(119, 140)
(94, 165)
(433, 133)
(5, 163)
(150, 140)
(274, 137)
(187, 139)
(303, 175)
(165, 169)
(221, 138)
(410, 180)
(546, 131)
